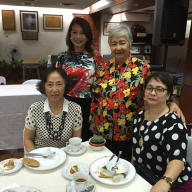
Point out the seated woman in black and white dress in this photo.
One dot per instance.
(160, 138)
(53, 121)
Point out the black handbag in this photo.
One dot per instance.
(145, 173)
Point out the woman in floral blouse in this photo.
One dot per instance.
(117, 93)
(80, 62)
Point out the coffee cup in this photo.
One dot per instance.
(81, 180)
(75, 144)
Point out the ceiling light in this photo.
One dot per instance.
(27, 3)
(67, 4)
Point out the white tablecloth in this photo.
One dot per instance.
(14, 104)
(53, 180)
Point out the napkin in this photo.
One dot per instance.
(10, 186)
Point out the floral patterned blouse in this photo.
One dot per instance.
(113, 111)
(81, 70)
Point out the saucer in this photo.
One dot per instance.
(82, 150)
(81, 166)
(71, 187)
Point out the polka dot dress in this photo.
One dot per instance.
(35, 120)
(164, 141)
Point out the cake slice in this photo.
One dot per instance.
(30, 162)
(8, 165)
(73, 169)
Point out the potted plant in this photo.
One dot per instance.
(97, 142)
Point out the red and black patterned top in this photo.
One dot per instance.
(81, 70)
(113, 111)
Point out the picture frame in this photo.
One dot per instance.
(29, 36)
(52, 22)
(108, 26)
(8, 19)
(147, 58)
(29, 21)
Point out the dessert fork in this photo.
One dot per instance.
(114, 168)
(104, 167)
(39, 154)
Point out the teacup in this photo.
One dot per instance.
(75, 144)
(81, 180)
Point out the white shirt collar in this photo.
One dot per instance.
(47, 107)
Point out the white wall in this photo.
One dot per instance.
(49, 41)
(104, 47)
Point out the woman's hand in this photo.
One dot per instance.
(160, 186)
(174, 108)
(92, 128)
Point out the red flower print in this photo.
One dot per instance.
(93, 108)
(97, 121)
(144, 70)
(110, 104)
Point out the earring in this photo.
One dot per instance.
(70, 37)
(87, 39)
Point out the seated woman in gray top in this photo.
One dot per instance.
(53, 121)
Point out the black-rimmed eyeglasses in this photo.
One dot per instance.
(158, 90)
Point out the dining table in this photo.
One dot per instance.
(15, 101)
(53, 180)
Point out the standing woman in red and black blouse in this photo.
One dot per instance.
(117, 93)
(80, 62)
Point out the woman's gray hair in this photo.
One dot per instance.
(121, 30)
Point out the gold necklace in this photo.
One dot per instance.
(141, 139)
(114, 87)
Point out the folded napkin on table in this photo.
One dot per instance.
(10, 186)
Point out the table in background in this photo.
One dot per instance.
(53, 180)
(30, 64)
(14, 104)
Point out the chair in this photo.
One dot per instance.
(31, 81)
(2, 80)
(23, 142)
(189, 151)
(107, 57)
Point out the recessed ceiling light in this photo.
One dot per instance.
(27, 3)
(67, 4)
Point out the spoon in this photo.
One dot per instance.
(90, 188)
(114, 168)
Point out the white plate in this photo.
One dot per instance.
(70, 187)
(81, 166)
(48, 163)
(17, 166)
(24, 189)
(68, 150)
(96, 165)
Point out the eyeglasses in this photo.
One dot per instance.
(158, 90)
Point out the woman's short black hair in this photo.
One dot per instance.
(164, 78)
(41, 85)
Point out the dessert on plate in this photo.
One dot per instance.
(8, 165)
(73, 169)
(30, 162)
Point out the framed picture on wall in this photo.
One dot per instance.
(29, 21)
(108, 26)
(29, 36)
(53, 22)
(8, 19)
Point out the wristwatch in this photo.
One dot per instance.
(168, 179)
